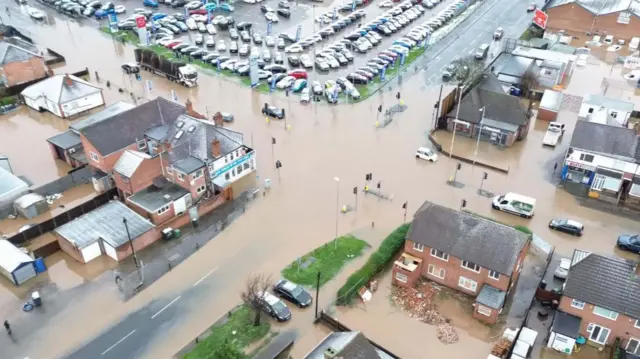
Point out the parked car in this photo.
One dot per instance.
(563, 268)
(278, 58)
(274, 307)
(306, 62)
(284, 13)
(426, 154)
(291, 291)
(298, 74)
(567, 226)
(273, 111)
(497, 35)
(294, 61)
(150, 3)
(630, 243)
(130, 68)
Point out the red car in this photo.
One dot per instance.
(298, 74)
(173, 44)
(198, 11)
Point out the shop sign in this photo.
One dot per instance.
(581, 165)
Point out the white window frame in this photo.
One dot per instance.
(401, 277)
(637, 351)
(465, 265)
(180, 176)
(432, 270)
(486, 311)
(434, 253)
(637, 323)
(163, 209)
(462, 280)
(201, 189)
(494, 275)
(142, 144)
(124, 178)
(94, 156)
(578, 304)
(169, 170)
(615, 317)
(198, 174)
(592, 326)
(418, 247)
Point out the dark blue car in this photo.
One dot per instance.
(150, 3)
(630, 243)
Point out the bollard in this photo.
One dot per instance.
(266, 119)
(377, 124)
(373, 224)
(169, 265)
(197, 245)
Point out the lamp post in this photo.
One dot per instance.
(455, 122)
(133, 251)
(337, 209)
(480, 130)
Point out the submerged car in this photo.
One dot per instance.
(273, 306)
(567, 226)
(273, 111)
(292, 292)
(630, 243)
(563, 268)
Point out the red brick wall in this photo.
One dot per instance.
(139, 243)
(66, 246)
(105, 162)
(574, 17)
(142, 177)
(622, 327)
(24, 71)
(491, 319)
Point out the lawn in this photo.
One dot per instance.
(229, 339)
(327, 259)
(126, 35)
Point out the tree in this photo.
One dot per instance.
(256, 285)
(226, 350)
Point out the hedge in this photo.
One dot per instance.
(376, 262)
(8, 100)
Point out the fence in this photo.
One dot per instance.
(63, 218)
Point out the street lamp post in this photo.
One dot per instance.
(480, 130)
(455, 122)
(133, 251)
(337, 209)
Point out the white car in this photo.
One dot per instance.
(386, 4)
(202, 27)
(304, 95)
(199, 18)
(120, 9)
(228, 65)
(249, 1)
(286, 82)
(306, 62)
(295, 48)
(210, 42)
(191, 24)
(333, 63)
(563, 268)
(199, 39)
(271, 17)
(211, 29)
(426, 154)
(221, 46)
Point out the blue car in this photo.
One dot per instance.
(211, 7)
(150, 3)
(158, 16)
(403, 44)
(226, 7)
(101, 14)
(629, 243)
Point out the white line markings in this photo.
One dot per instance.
(165, 307)
(205, 276)
(118, 342)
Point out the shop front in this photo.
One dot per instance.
(577, 176)
(606, 185)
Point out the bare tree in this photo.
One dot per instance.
(468, 70)
(256, 285)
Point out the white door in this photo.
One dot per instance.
(180, 206)
(110, 251)
(91, 252)
(597, 333)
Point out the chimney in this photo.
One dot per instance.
(49, 72)
(215, 148)
(217, 119)
(191, 112)
(68, 80)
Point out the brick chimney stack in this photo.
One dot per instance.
(217, 119)
(68, 80)
(191, 112)
(215, 148)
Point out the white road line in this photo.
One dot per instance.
(471, 51)
(205, 276)
(165, 307)
(118, 342)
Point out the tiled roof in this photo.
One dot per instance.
(154, 197)
(65, 140)
(469, 237)
(58, 91)
(347, 345)
(608, 282)
(108, 112)
(129, 162)
(605, 139)
(11, 53)
(491, 297)
(601, 7)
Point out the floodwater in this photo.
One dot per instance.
(299, 211)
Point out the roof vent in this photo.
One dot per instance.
(330, 353)
(179, 134)
(167, 197)
(179, 124)
(191, 128)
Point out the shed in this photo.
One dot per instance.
(15, 264)
(550, 105)
(11, 187)
(63, 95)
(31, 205)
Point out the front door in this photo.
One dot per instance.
(597, 333)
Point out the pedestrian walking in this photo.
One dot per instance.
(97, 77)
(8, 12)
(7, 326)
(555, 167)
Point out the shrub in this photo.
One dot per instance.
(376, 262)
(523, 229)
(8, 100)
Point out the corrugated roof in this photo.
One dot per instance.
(129, 162)
(469, 237)
(551, 100)
(605, 139)
(188, 165)
(608, 103)
(108, 112)
(105, 223)
(58, 91)
(65, 140)
(608, 282)
(601, 7)
(348, 345)
(10, 184)
(153, 197)
(491, 297)
(11, 257)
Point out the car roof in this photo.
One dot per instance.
(574, 223)
(565, 263)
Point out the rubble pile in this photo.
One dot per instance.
(418, 303)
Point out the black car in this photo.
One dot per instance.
(273, 306)
(178, 3)
(265, 9)
(130, 69)
(284, 5)
(273, 111)
(276, 69)
(629, 243)
(287, 38)
(294, 60)
(243, 25)
(284, 13)
(357, 79)
(293, 293)
(567, 226)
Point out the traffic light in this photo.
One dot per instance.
(368, 177)
(378, 185)
(355, 190)
(404, 205)
(459, 166)
(464, 203)
(278, 164)
(380, 108)
(485, 175)
(273, 140)
(398, 95)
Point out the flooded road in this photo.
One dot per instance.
(298, 213)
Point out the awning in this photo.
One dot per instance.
(635, 190)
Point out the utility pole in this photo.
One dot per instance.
(379, 191)
(133, 251)
(463, 204)
(338, 209)
(455, 122)
(317, 288)
(278, 166)
(273, 142)
(484, 177)
(404, 206)
(355, 192)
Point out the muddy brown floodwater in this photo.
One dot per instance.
(299, 212)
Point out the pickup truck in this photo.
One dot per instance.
(554, 132)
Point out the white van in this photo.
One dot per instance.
(481, 51)
(514, 203)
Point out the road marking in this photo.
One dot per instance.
(471, 51)
(205, 276)
(165, 307)
(118, 342)
(474, 41)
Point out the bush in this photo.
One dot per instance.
(8, 100)
(376, 262)
(523, 229)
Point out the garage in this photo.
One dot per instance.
(110, 251)
(15, 264)
(565, 329)
(91, 251)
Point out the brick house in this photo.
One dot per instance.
(19, 65)
(603, 293)
(462, 251)
(619, 18)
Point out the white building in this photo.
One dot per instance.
(63, 95)
(605, 110)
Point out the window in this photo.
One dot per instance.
(597, 333)
(438, 254)
(169, 170)
(239, 169)
(577, 304)
(470, 266)
(418, 247)
(585, 157)
(467, 283)
(124, 178)
(211, 166)
(142, 144)
(180, 176)
(610, 314)
(198, 174)
(494, 275)
(246, 165)
(163, 209)
(633, 346)
(401, 277)
(590, 109)
(598, 182)
(614, 114)
(94, 156)
(436, 272)
(231, 156)
(227, 176)
(484, 310)
(201, 189)
(637, 324)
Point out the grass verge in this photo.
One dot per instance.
(376, 262)
(122, 35)
(327, 259)
(228, 340)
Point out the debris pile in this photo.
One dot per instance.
(501, 348)
(418, 303)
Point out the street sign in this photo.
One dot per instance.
(298, 33)
(335, 13)
(113, 22)
(269, 27)
(141, 22)
(353, 6)
(218, 65)
(208, 17)
(540, 19)
(402, 59)
(426, 40)
(174, 95)
(253, 70)
(383, 73)
(186, 12)
(149, 85)
(273, 83)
